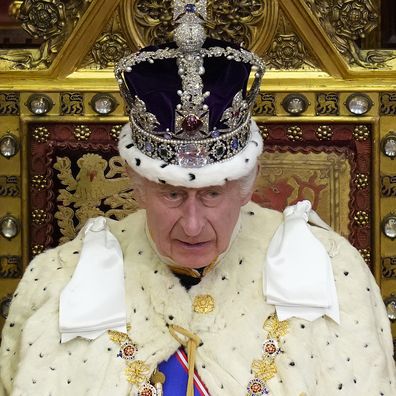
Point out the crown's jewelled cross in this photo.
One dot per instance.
(182, 7)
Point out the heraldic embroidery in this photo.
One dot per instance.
(98, 188)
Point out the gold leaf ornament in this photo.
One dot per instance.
(203, 303)
(264, 369)
(275, 327)
(137, 372)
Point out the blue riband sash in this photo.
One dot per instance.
(176, 374)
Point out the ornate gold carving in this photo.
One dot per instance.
(42, 18)
(345, 21)
(10, 267)
(203, 303)
(361, 133)
(72, 103)
(9, 103)
(366, 255)
(82, 132)
(327, 104)
(14, 7)
(235, 21)
(37, 249)
(361, 181)
(115, 132)
(294, 133)
(287, 50)
(9, 186)
(109, 48)
(39, 216)
(388, 186)
(324, 132)
(41, 134)
(389, 267)
(51, 20)
(265, 104)
(39, 182)
(89, 189)
(251, 22)
(388, 103)
(361, 217)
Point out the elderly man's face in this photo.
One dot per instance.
(192, 226)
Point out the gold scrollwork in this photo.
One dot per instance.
(9, 103)
(10, 186)
(388, 103)
(10, 267)
(72, 103)
(90, 189)
(345, 21)
(252, 22)
(51, 20)
(327, 104)
(265, 104)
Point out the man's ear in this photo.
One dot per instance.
(137, 185)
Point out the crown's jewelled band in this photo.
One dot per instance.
(189, 153)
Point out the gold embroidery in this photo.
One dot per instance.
(275, 327)
(203, 303)
(118, 337)
(264, 369)
(137, 372)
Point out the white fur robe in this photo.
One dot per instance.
(319, 358)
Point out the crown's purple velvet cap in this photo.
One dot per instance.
(157, 84)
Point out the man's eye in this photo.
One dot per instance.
(211, 195)
(173, 195)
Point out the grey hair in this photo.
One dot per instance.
(246, 183)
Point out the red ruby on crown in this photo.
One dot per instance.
(191, 123)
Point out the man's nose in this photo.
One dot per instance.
(193, 217)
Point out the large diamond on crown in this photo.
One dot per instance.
(192, 155)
